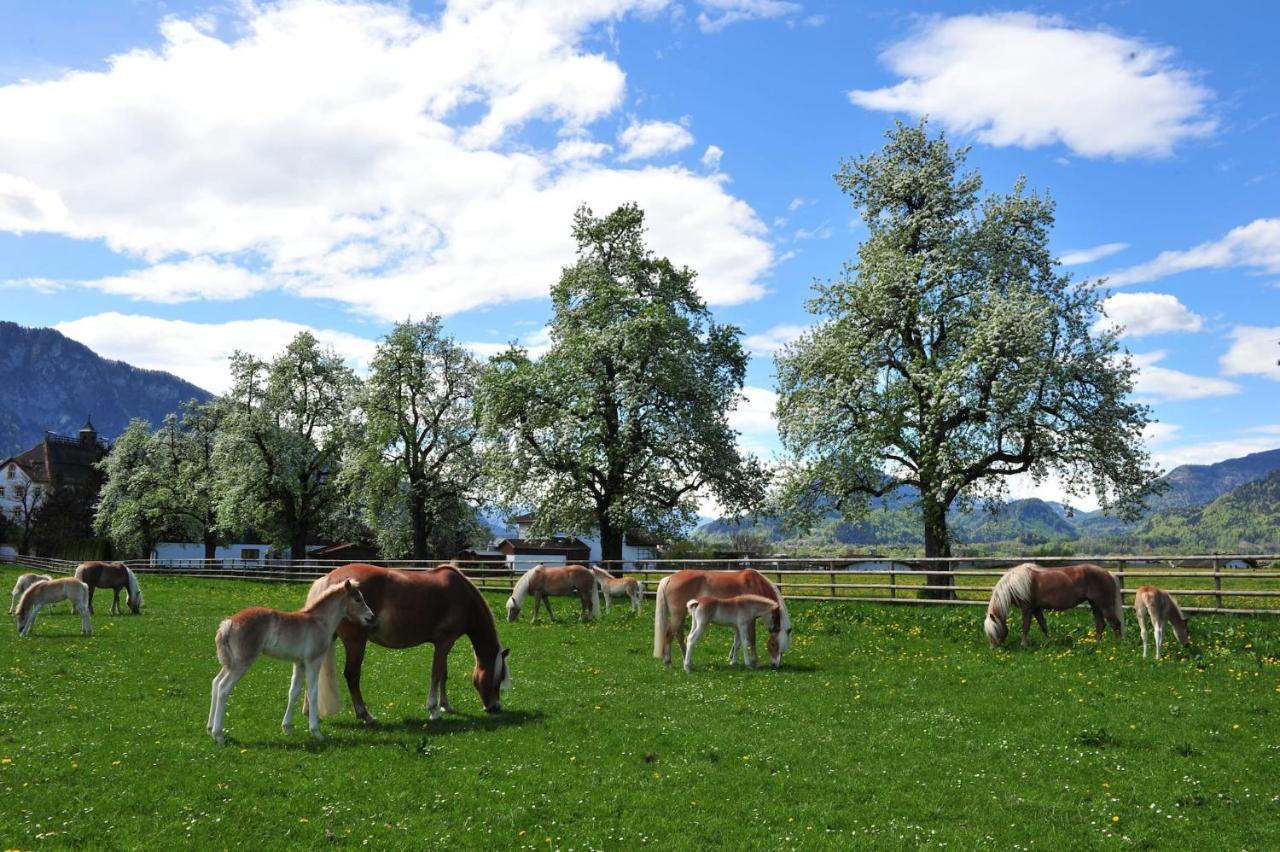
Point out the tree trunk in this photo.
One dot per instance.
(418, 517)
(298, 545)
(937, 543)
(210, 546)
(610, 546)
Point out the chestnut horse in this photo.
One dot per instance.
(114, 576)
(1034, 589)
(740, 613)
(45, 592)
(299, 637)
(414, 607)
(541, 582)
(1158, 605)
(619, 587)
(676, 590)
(23, 583)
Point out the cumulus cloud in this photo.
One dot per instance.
(1163, 383)
(199, 352)
(754, 415)
(642, 140)
(1254, 352)
(358, 152)
(718, 14)
(197, 278)
(1211, 452)
(775, 338)
(1140, 314)
(1021, 79)
(1255, 246)
(711, 157)
(1075, 257)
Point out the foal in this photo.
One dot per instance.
(1158, 605)
(43, 592)
(739, 612)
(299, 637)
(24, 583)
(619, 587)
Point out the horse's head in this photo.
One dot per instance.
(490, 679)
(513, 609)
(356, 608)
(135, 600)
(996, 629)
(1179, 623)
(779, 637)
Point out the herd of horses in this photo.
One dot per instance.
(362, 603)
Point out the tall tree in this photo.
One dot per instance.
(283, 435)
(623, 420)
(130, 510)
(419, 466)
(953, 354)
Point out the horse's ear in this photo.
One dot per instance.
(505, 651)
(351, 585)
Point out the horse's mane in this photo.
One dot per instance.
(521, 589)
(1013, 587)
(475, 590)
(784, 641)
(133, 585)
(27, 600)
(325, 595)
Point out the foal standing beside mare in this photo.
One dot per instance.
(618, 587)
(740, 613)
(414, 607)
(1158, 605)
(676, 590)
(1034, 589)
(45, 592)
(114, 576)
(542, 582)
(299, 637)
(23, 583)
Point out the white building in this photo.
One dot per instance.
(179, 553)
(636, 547)
(57, 461)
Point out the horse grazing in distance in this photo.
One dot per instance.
(436, 606)
(739, 612)
(676, 590)
(542, 582)
(299, 637)
(45, 592)
(1034, 589)
(619, 587)
(24, 582)
(1158, 605)
(114, 576)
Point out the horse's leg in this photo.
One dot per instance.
(733, 649)
(1099, 625)
(223, 690)
(699, 625)
(608, 601)
(355, 646)
(295, 687)
(1142, 628)
(313, 684)
(1026, 626)
(92, 589)
(1044, 628)
(213, 697)
(750, 633)
(115, 601)
(85, 626)
(546, 601)
(439, 671)
(1159, 628)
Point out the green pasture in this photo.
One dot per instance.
(887, 727)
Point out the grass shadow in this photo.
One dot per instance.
(449, 724)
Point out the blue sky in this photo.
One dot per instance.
(178, 179)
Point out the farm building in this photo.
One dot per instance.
(58, 461)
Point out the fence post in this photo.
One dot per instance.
(1120, 581)
(893, 580)
(832, 578)
(1217, 583)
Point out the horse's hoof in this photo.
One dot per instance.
(316, 735)
(220, 739)
(288, 729)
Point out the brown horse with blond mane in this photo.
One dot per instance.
(437, 606)
(676, 590)
(542, 582)
(114, 576)
(1034, 589)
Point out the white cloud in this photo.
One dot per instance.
(1164, 383)
(822, 232)
(1212, 452)
(199, 352)
(795, 204)
(1141, 314)
(332, 148)
(726, 12)
(774, 339)
(1253, 246)
(535, 343)
(1158, 432)
(1254, 351)
(711, 157)
(1021, 79)
(197, 278)
(754, 415)
(642, 140)
(1075, 257)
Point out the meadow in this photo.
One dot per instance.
(887, 727)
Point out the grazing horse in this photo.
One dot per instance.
(299, 637)
(676, 590)
(45, 592)
(1162, 609)
(1034, 589)
(114, 576)
(414, 607)
(618, 587)
(24, 582)
(541, 582)
(739, 612)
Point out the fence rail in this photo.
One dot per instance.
(1202, 583)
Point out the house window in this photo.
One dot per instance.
(250, 554)
(36, 492)
(19, 491)
(1, 490)
(11, 472)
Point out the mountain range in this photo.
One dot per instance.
(52, 383)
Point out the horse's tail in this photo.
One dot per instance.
(328, 698)
(222, 642)
(691, 605)
(80, 571)
(595, 595)
(135, 593)
(1119, 602)
(521, 589)
(784, 637)
(660, 619)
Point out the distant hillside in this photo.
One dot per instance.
(1246, 520)
(50, 382)
(1193, 485)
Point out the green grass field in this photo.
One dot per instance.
(887, 727)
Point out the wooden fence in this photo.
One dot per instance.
(1201, 583)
